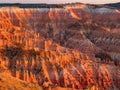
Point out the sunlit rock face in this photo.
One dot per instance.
(72, 47)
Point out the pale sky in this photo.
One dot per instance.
(60, 1)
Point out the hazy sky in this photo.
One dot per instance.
(58, 1)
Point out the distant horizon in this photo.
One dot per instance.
(59, 1)
(56, 3)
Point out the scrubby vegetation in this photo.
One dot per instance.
(32, 5)
(106, 57)
(12, 52)
(103, 56)
(16, 51)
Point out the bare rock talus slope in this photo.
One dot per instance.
(76, 46)
(10, 83)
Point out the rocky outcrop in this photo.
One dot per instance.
(74, 46)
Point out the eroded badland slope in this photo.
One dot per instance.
(76, 47)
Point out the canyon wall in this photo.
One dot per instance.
(74, 47)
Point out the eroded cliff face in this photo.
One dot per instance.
(76, 46)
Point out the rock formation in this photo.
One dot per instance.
(72, 47)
